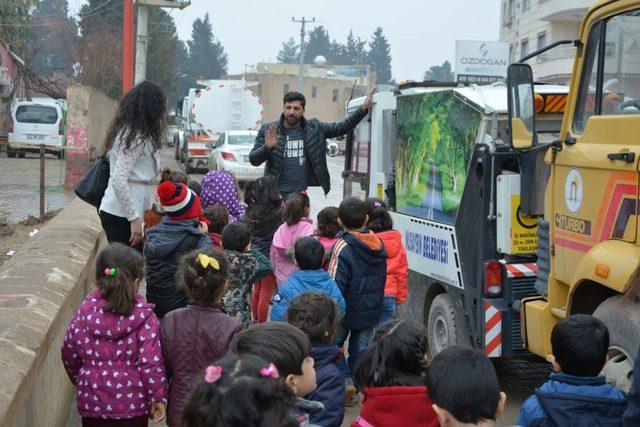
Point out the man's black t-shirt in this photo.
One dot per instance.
(295, 167)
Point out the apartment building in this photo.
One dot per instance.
(528, 25)
(327, 87)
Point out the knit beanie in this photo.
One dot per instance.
(178, 201)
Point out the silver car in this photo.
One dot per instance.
(231, 154)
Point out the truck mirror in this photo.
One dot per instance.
(521, 105)
(209, 145)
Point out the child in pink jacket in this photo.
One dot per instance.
(112, 348)
(296, 225)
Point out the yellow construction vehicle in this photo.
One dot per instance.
(589, 247)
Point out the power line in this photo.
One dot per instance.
(93, 12)
(302, 21)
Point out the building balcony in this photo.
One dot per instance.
(564, 10)
(553, 67)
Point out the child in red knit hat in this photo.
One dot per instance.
(179, 232)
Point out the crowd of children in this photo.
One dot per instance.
(200, 352)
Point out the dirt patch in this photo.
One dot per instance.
(12, 236)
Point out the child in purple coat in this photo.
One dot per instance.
(112, 348)
(220, 188)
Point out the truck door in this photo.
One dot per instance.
(357, 161)
(595, 176)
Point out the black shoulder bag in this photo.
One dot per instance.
(91, 188)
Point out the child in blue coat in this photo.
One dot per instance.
(317, 316)
(309, 256)
(576, 394)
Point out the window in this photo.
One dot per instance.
(542, 40)
(247, 139)
(314, 92)
(334, 96)
(526, 4)
(610, 82)
(524, 48)
(588, 81)
(286, 88)
(511, 57)
(36, 114)
(621, 65)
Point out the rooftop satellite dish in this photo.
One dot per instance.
(320, 61)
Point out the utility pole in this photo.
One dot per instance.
(142, 38)
(302, 21)
(127, 46)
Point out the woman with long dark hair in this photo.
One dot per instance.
(133, 143)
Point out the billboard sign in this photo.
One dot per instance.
(481, 61)
(436, 134)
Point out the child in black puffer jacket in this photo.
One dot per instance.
(179, 232)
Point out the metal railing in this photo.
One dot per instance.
(18, 176)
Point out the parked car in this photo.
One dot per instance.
(231, 154)
(174, 125)
(33, 123)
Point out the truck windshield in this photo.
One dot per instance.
(610, 82)
(36, 114)
(621, 68)
(241, 139)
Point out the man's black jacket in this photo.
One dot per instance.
(315, 134)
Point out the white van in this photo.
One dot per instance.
(33, 123)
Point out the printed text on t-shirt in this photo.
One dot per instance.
(295, 150)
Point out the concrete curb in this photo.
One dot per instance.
(40, 288)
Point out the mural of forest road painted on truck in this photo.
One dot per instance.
(436, 133)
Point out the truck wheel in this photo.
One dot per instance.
(187, 168)
(442, 325)
(622, 318)
(22, 154)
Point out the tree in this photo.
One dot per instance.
(100, 13)
(338, 54)
(53, 40)
(356, 49)
(99, 54)
(380, 56)
(206, 55)
(162, 65)
(99, 49)
(439, 73)
(318, 44)
(290, 53)
(14, 23)
(183, 80)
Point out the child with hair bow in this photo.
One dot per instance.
(200, 333)
(266, 400)
(112, 349)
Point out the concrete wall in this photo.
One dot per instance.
(40, 287)
(88, 118)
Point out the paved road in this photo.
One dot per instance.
(518, 377)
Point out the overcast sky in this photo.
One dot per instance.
(422, 33)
